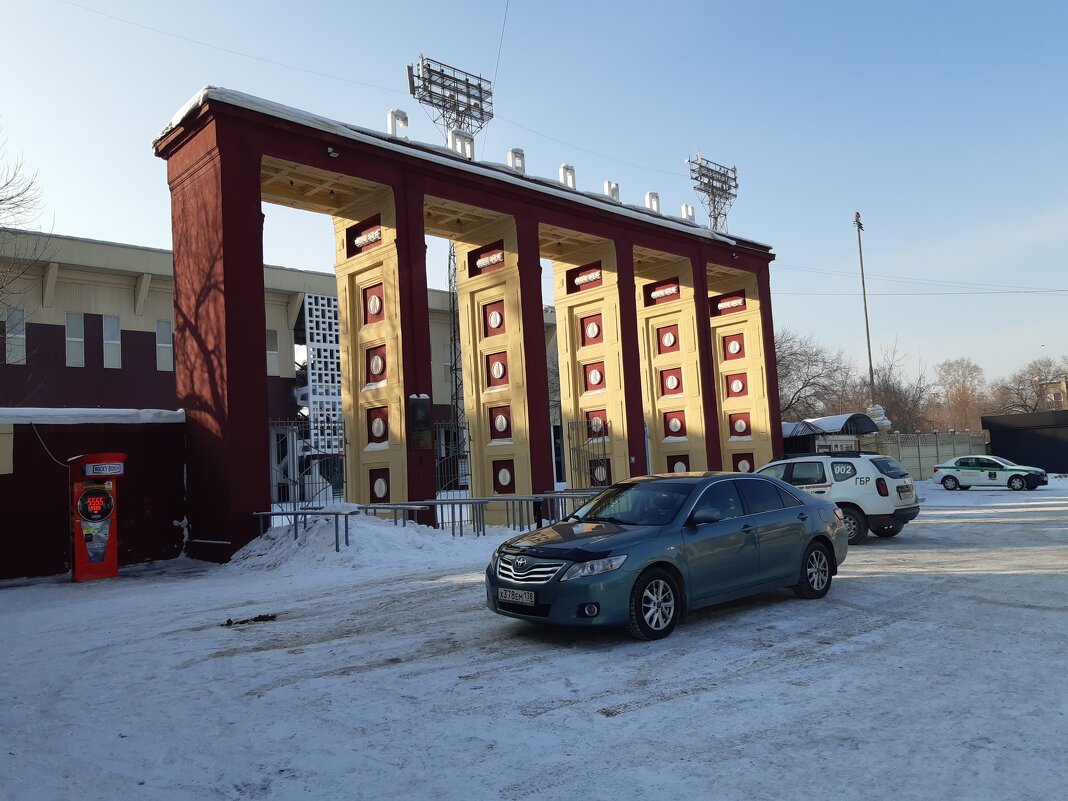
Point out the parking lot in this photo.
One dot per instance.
(934, 669)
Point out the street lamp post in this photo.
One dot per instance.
(864, 294)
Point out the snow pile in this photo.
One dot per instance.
(373, 543)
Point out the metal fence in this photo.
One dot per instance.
(307, 463)
(589, 463)
(919, 453)
(451, 464)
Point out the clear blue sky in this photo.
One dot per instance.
(945, 124)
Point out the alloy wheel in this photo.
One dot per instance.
(658, 604)
(818, 570)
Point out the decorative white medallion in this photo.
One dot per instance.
(592, 330)
(675, 425)
(595, 377)
(680, 467)
(377, 365)
(497, 370)
(672, 382)
(600, 473)
(668, 339)
(734, 346)
(374, 304)
(500, 422)
(381, 488)
(378, 427)
(504, 476)
(737, 385)
(740, 426)
(596, 425)
(744, 466)
(495, 319)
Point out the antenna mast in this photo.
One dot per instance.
(718, 187)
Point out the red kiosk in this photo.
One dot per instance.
(94, 480)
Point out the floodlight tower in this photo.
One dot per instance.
(718, 187)
(462, 104)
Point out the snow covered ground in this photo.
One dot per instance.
(935, 669)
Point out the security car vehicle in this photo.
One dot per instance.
(647, 550)
(966, 472)
(874, 492)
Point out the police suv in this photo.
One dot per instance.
(874, 492)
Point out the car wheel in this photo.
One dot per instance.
(856, 525)
(655, 604)
(950, 483)
(888, 531)
(1017, 483)
(815, 578)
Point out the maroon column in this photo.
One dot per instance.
(219, 323)
(632, 376)
(539, 431)
(771, 362)
(415, 323)
(706, 362)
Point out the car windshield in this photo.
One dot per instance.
(646, 503)
(890, 468)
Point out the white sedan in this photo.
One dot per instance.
(965, 472)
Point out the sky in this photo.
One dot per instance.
(943, 124)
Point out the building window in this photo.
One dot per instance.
(164, 345)
(75, 339)
(14, 335)
(272, 353)
(112, 343)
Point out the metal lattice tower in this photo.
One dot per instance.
(718, 187)
(463, 102)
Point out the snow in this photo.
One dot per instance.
(933, 670)
(72, 416)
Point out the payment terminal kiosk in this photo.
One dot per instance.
(94, 484)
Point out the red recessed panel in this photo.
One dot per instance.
(493, 313)
(678, 464)
(593, 377)
(378, 413)
(592, 330)
(667, 339)
(378, 485)
(734, 347)
(589, 276)
(662, 292)
(600, 472)
(600, 428)
(742, 462)
(675, 424)
(504, 476)
(500, 422)
(737, 385)
(671, 381)
(375, 364)
(728, 303)
(374, 299)
(363, 236)
(738, 425)
(486, 259)
(497, 369)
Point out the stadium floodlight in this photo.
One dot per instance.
(718, 187)
(461, 100)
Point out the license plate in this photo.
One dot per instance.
(516, 596)
(904, 491)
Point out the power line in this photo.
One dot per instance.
(920, 281)
(1050, 292)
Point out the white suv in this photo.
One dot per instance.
(873, 491)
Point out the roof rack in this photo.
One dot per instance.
(832, 454)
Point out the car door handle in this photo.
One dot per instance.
(747, 528)
(819, 492)
(802, 516)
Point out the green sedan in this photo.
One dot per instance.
(647, 550)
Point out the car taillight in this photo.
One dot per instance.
(880, 484)
(937, 469)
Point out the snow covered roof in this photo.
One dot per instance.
(438, 155)
(52, 417)
(851, 423)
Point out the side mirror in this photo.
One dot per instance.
(706, 515)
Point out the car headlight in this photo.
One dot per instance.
(593, 568)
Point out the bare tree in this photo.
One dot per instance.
(964, 394)
(20, 200)
(813, 380)
(909, 402)
(1025, 390)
